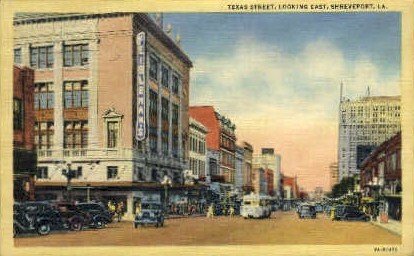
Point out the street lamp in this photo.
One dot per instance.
(69, 174)
(166, 182)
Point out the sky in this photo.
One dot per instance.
(277, 76)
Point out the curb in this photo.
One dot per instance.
(389, 230)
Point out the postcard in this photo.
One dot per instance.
(207, 128)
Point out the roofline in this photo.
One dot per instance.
(143, 17)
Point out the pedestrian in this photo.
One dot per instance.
(111, 208)
(138, 208)
(210, 212)
(119, 210)
(231, 211)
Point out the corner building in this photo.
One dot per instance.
(86, 79)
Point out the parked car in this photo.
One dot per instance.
(151, 214)
(318, 208)
(76, 219)
(352, 213)
(307, 211)
(37, 217)
(99, 214)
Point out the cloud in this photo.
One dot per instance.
(289, 101)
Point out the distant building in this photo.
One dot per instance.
(259, 181)
(290, 188)
(247, 167)
(269, 182)
(24, 152)
(221, 141)
(238, 179)
(364, 123)
(381, 175)
(197, 150)
(269, 160)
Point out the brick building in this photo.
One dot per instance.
(24, 154)
(221, 141)
(380, 176)
(269, 174)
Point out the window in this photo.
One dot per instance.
(174, 121)
(165, 125)
(76, 94)
(113, 128)
(18, 56)
(41, 57)
(17, 114)
(78, 172)
(153, 120)
(44, 132)
(44, 96)
(75, 55)
(175, 84)
(153, 72)
(42, 173)
(111, 172)
(76, 134)
(165, 76)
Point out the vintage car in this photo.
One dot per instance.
(150, 214)
(37, 217)
(99, 214)
(352, 213)
(307, 211)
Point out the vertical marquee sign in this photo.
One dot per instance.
(141, 125)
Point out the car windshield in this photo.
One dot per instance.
(96, 207)
(147, 206)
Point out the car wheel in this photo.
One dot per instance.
(76, 225)
(43, 229)
(99, 224)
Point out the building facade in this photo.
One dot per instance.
(363, 124)
(24, 153)
(238, 177)
(111, 100)
(269, 182)
(221, 139)
(259, 181)
(269, 160)
(247, 167)
(197, 150)
(380, 176)
(334, 174)
(290, 188)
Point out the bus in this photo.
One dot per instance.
(256, 206)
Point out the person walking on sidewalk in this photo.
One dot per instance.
(210, 212)
(119, 210)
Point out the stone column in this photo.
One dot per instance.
(129, 207)
(93, 119)
(58, 89)
(180, 133)
(25, 55)
(159, 128)
(170, 114)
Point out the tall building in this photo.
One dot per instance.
(334, 174)
(111, 100)
(238, 177)
(269, 182)
(198, 151)
(269, 160)
(363, 124)
(259, 181)
(24, 153)
(221, 142)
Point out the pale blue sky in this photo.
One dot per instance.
(277, 76)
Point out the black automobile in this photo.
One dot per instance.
(151, 214)
(37, 217)
(98, 213)
(76, 219)
(352, 213)
(306, 211)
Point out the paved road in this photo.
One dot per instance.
(282, 228)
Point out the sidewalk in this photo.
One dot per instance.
(171, 216)
(392, 226)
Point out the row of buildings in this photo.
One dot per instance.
(101, 112)
(369, 149)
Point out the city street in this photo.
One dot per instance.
(282, 228)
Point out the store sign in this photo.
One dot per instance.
(141, 124)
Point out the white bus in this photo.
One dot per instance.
(256, 206)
